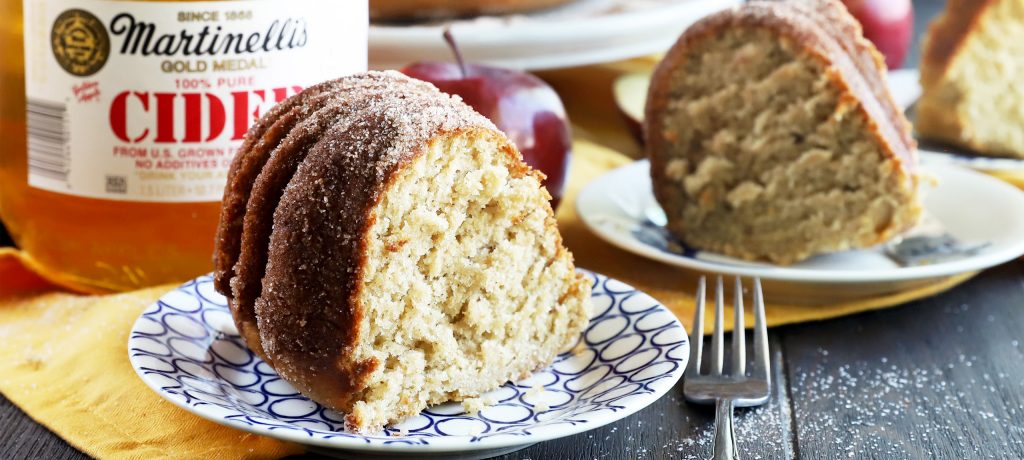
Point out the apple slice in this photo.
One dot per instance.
(631, 98)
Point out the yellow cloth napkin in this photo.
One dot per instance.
(1015, 178)
(65, 355)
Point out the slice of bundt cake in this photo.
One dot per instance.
(971, 68)
(772, 135)
(385, 248)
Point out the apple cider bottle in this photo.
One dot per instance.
(120, 119)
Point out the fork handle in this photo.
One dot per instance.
(725, 438)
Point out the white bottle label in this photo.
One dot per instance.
(149, 101)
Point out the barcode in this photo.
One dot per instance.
(48, 134)
(117, 184)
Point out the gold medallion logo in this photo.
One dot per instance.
(80, 42)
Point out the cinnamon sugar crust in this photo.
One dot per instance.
(262, 138)
(320, 112)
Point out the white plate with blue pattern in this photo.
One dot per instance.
(185, 348)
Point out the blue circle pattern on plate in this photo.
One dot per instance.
(634, 350)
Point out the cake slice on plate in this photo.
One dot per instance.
(972, 67)
(387, 249)
(772, 135)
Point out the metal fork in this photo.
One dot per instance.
(736, 388)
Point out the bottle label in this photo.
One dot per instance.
(150, 101)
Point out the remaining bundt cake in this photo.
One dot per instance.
(971, 70)
(433, 9)
(772, 135)
(384, 248)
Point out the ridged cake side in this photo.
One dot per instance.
(279, 137)
(834, 20)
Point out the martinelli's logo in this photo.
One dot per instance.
(80, 42)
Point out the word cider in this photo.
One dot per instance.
(196, 113)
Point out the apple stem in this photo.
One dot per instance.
(448, 37)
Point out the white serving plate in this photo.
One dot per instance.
(580, 33)
(972, 207)
(185, 348)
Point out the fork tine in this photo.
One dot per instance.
(760, 335)
(697, 332)
(739, 339)
(717, 336)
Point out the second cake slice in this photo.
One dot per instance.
(772, 135)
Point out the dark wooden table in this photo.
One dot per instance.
(936, 378)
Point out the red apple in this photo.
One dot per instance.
(889, 24)
(523, 106)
